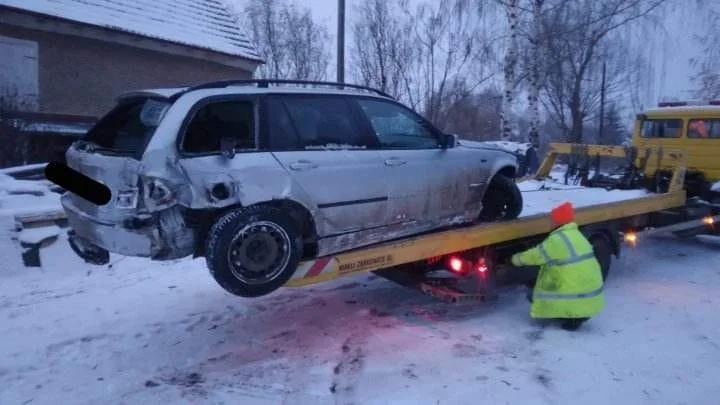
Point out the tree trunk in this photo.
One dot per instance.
(534, 96)
(577, 116)
(510, 70)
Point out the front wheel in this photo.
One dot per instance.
(253, 251)
(502, 200)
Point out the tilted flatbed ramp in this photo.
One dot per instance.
(615, 204)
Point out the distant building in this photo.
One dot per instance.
(76, 56)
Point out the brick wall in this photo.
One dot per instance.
(84, 76)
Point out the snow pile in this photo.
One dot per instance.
(21, 169)
(38, 235)
(26, 197)
(10, 254)
(540, 196)
(20, 198)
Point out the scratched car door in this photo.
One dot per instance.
(426, 183)
(332, 161)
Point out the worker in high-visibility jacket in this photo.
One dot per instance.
(569, 286)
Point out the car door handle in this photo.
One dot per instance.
(393, 161)
(303, 165)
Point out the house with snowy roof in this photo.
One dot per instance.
(76, 56)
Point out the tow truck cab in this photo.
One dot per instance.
(692, 127)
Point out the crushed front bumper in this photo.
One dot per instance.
(160, 236)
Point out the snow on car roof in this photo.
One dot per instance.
(206, 24)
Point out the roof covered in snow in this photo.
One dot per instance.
(205, 24)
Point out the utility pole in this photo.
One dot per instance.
(602, 104)
(341, 42)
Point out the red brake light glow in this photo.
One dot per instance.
(481, 265)
(456, 264)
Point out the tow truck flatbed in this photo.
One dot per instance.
(619, 209)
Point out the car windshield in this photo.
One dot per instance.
(128, 127)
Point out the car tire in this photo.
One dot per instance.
(502, 200)
(253, 251)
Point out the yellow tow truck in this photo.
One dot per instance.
(467, 263)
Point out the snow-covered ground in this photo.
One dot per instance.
(541, 195)
(166, 333)
(141, 332)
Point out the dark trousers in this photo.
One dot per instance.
(572, 324)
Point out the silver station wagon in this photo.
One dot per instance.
(257, 176)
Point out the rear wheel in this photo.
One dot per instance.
(253, 251)
(603, 253)
(502, 200)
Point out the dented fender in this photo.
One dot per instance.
(212, 182)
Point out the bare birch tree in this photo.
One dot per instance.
(449, 46)
(535, 66)
(293, 45)
(382, 49)
(510, 68)
(577, 37)
(707, 64)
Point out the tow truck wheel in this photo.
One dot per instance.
(603, 253)
(502, 200)
(253, 251)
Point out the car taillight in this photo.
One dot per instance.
(456, 264)
(157, 194)
(481, 265)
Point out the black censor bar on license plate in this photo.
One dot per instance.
(78, 183)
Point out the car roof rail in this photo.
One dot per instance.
(265, 83)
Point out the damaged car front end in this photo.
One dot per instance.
(142, 218)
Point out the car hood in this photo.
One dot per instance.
(464, 143)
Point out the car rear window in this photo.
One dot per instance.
(128, 127)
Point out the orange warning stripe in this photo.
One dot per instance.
(319, 269)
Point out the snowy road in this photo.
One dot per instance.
(139, 333)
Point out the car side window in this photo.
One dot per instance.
(661, 128)
(397, 127)
(218, 120)
(704, 128)
(280, 127)
(323, 122)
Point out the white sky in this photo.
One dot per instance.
(672, 51)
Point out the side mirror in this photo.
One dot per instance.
(227, 146)
(449, 141)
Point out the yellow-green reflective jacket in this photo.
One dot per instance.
(570, 283)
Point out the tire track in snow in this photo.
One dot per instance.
(348, 369)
